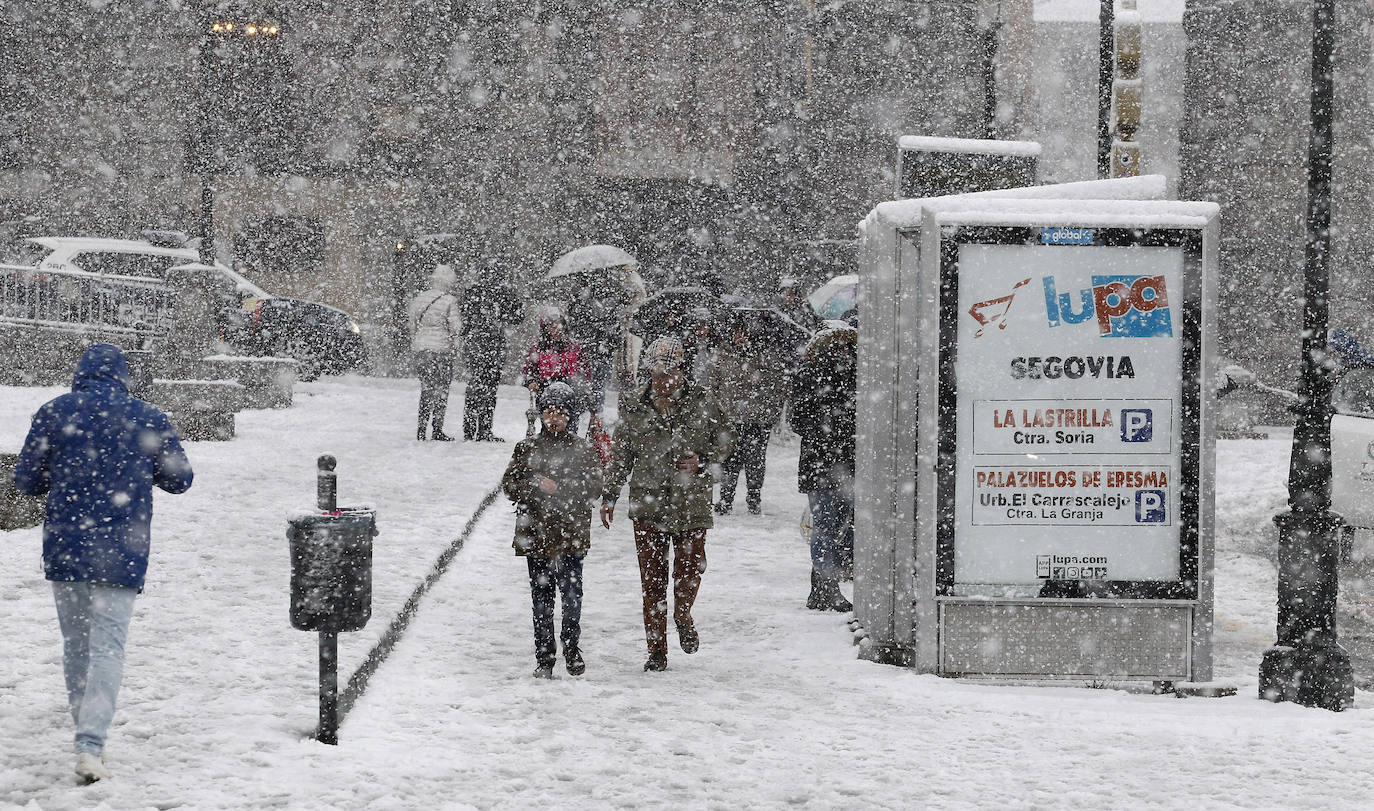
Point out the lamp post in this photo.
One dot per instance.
(1106, 45)
(1307, 665)
(209, 28)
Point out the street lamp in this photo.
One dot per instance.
(215, 31)
(1307, 665)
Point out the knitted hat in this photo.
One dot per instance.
(663, 355)
(558, 395)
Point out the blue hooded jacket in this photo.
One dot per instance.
(97, 453)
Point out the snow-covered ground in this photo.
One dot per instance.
(775, 710)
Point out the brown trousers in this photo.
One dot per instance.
(689, 564)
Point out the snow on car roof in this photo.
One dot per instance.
(104, 244)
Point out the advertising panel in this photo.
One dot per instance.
(1071, 411)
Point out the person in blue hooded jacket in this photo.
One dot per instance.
(96, 453)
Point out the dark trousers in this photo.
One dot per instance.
(751, 453)
(547, 575)
(832, 532)
(436, 373)
(689, 564)
(479, 399)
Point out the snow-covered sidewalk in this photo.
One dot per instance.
(774, 711)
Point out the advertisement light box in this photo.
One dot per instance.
(1069, 410)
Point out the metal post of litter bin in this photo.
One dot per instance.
(327, 499)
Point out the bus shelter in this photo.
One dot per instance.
(1035, 476)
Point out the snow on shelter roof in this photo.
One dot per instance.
(1076, 213)
(907, 213)
(974, 146)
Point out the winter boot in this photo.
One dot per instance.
(91, 768)
(657, 662)
(573, 660)
(687, 637)
(723, 507)
(544, 671)
(816, 601)
(836, 600)
(755, 502)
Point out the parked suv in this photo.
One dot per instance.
(323, 339)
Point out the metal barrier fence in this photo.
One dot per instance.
(76, 299)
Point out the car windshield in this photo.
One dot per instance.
(246, 288)
(22, 252)
(1354, 395)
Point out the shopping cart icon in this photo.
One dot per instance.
(994, 310)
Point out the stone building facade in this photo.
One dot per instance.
(717, 136)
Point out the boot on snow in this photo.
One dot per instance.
(816, 600)
(91, 768)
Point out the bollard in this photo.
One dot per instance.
(331, 582)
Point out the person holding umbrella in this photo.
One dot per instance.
(669, 434)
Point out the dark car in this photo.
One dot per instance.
(324, 340)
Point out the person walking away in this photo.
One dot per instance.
(822, 413)
(555, 357)
(751, 384)
(488, 306)
(97, 453)
(669, 434)
(793, 304)
(435, 328)
(553, 478)
(594, 323)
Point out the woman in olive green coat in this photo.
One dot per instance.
(669, 435)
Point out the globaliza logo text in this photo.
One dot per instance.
(1123, 306)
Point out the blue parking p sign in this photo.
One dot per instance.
(1149, 507)
(1137, 425)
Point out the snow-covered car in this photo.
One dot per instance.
(1352, 447)
(325, 340)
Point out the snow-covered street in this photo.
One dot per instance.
(774, 711)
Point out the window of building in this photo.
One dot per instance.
(280, 245)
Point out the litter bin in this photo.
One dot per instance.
(331, 570)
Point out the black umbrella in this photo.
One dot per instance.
(769, 326)
(668, 311)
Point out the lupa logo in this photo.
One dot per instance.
(1123, 306)
(994, 310)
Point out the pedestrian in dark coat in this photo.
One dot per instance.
(669, 436)
(488, 306)
(97, 453)
(553, 478)
(750, 380)
(822, 413)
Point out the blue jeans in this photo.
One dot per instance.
(565, 575)
(832, 531)
(94, 618)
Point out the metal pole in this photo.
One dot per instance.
(990, 38)
(205, 158)
(1307, 665)
(328, 731)
(326, 484)
(1106, 18)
